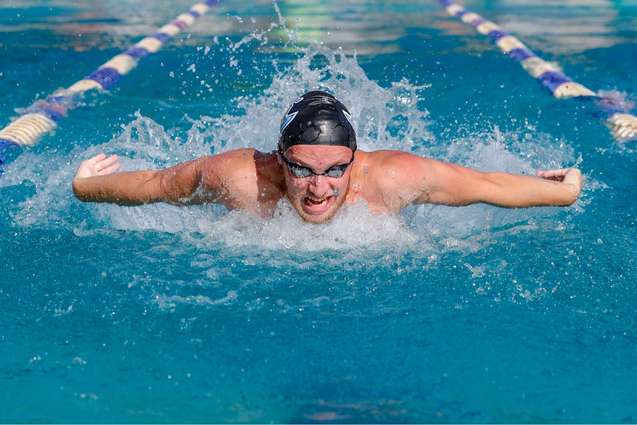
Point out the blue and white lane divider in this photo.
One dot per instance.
(43, 116)
(623, 125)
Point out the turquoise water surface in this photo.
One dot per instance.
(166, 314)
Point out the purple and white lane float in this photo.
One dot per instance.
(44, 115)
(622, 123)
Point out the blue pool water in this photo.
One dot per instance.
(165, 314)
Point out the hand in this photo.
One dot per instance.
(568, 176)
(99, 165)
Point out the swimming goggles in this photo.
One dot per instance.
(301, 172)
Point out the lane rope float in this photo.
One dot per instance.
(44, 115)
(622, 123)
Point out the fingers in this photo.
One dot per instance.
(105, 162)
(109, 170)
(96, 158)
(98, 165)
(107, 165)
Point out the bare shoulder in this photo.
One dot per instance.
(227, 166)
(395, 178)
(243, 177)
(231, 159)
(392, 166)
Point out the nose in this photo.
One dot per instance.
(318, 186)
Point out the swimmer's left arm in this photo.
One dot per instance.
(423, 180)
(457, 185)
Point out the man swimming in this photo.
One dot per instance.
(318, 168)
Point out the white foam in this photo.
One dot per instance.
(353, 227)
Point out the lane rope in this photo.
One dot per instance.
(622, 123)
(43, 116)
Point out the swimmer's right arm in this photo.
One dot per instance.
(97, 180)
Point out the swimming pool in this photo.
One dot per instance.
(472, 314)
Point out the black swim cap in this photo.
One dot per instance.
(317, 118)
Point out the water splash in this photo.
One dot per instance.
(390, 117)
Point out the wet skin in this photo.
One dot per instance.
(256, 181)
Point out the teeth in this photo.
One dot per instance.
(315, 201)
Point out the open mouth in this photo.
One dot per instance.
(317, 206)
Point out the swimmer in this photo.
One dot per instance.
(318, 169)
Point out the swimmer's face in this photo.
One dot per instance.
(317, 198)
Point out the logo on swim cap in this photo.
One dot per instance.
(317, 118)
(349, 117)
(287, 120)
